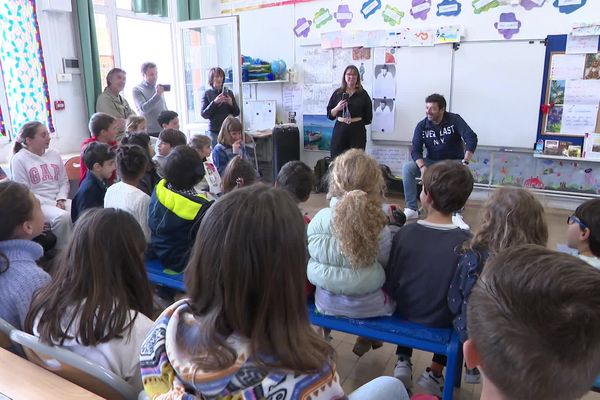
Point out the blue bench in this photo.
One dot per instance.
(157, 276)
(401, 332)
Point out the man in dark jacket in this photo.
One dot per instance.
(445, 135)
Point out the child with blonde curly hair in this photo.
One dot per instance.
(349, 243)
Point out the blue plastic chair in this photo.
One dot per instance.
(157, 276)
(401, 332)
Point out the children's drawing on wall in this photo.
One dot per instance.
(557, 92)
(315, 97)
(449, 34)
(570, 176)
(513, 169)
(317, 132)
(554, 119)
(361, 58)
(424, 37)
(385, 81)
(384, 55)
(480, 166)
(361, 53)
(317, 65)
(383, 116)
(592, 66)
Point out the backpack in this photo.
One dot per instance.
(321, 175)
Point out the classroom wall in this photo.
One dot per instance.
(60, 40)
(268, 33)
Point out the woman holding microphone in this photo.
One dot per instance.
(351, 108)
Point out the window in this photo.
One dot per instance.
(120, 44)
(24, 92)
(105, 50)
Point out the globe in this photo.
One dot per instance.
(278, 68)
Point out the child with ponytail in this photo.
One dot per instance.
(41, 169)
(349, 243)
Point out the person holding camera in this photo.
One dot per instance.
(149, 99)
(218, 103)
(351, 108)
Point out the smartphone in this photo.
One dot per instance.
(167, 88)
(345, 96)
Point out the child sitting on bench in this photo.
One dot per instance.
(422, 263)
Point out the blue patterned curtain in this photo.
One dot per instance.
(2, 128)
(22, 62)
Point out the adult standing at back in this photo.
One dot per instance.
(446, 136)
(112, 103)
(149, 99)
(351, 108)
(218, 103)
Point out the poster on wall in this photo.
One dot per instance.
(383, 116)
(317, 132)
(317, 65)
(384, 86)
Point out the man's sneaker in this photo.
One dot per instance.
(403, 371)
(472, 376)
(409, 213)
(430, 383)
(458, 221)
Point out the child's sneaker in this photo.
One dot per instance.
(458, 220)
(409, 213)
(430, 383)
(403, 371)
(472, 376)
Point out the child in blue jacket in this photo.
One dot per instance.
(176, 209)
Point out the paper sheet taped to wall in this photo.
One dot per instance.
(391, 156)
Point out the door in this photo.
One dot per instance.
(203, 44)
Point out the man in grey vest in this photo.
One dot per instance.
(149, 99)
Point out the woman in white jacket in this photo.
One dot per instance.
(349, 244)
(43, 171)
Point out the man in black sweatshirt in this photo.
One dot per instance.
(445, 136)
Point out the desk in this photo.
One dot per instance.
(21, 379)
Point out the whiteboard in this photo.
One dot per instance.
(420, 71)
(496, 88)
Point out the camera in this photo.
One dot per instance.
(399, 217)
(345, 96)
(167, 88)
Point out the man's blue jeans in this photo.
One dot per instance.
(410, 173)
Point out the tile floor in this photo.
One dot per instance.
(355, 371)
